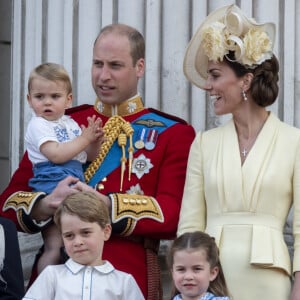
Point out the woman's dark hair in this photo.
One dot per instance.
(195, 241)
(264, 87)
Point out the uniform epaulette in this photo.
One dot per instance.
(75, 109)
(172, 117)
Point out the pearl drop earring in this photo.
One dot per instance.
(244, 95)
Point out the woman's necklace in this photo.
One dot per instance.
(244, 152)
(246, 144)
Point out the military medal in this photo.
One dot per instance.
(139, 144)
(151, 139)
(141, 165)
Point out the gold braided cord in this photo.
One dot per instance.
(113, 128)
(130, 158)
(129, 132)
(122, 143)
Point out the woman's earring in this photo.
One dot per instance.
(244, 95)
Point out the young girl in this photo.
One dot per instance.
(84, 222)
(196, 270)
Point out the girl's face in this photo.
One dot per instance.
(84, 241)
(48, 99)
(192, 273)
(224, 88)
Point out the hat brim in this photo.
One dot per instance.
(195, 62)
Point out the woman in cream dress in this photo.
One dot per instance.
(243, 177)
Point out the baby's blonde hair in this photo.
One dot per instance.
(52, 72)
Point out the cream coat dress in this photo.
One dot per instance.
(245, 206)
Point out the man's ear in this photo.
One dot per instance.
(140, 67)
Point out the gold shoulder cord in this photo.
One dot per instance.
(114, 128)
(129, 132)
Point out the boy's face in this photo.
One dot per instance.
(84, 240)
(48, 99)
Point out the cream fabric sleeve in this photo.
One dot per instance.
(193, 207)
(296, 217)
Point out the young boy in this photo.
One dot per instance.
(84, 222)
(56, 145)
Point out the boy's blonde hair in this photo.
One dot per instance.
(52, 72)
(85, 205)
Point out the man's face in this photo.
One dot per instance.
(114, 77)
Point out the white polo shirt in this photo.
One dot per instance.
(75, 281)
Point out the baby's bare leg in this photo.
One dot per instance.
(52, 244)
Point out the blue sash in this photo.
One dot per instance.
(112, 159)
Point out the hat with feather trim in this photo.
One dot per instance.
(223, 31)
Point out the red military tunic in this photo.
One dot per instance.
(145, 204)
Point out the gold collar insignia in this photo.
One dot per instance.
(128, 107)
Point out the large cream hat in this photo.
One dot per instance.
(223, 30)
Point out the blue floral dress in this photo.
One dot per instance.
(207, 296)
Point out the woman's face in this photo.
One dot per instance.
(224, 88)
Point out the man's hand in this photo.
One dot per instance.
(46, 207)
(83, 187)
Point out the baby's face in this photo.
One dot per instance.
(49, 99)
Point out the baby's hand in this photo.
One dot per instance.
(94, 131)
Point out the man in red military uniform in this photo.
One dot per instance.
(140, 169)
